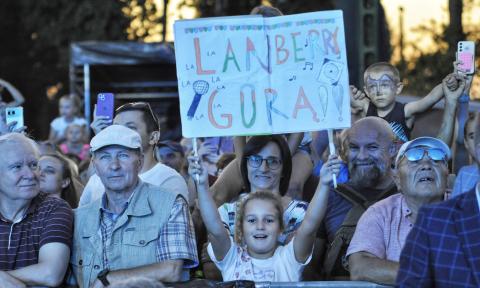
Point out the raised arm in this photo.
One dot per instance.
(18, 98)
(422, 105)
(451, 99)
(217, 233)
(305, 235)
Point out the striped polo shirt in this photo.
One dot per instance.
(47, 220)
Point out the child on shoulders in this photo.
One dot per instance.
(75, 143)
(68, 110)
(382, 85)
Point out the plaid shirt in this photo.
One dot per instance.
(443, 248)
(466, 179)
(176, 238)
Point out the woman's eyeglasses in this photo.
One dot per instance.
(256, 161)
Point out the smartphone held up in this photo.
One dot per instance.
(466, 56)
(14, 114)
(105, 104)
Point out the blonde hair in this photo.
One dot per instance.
(382, 66)
(240, 215)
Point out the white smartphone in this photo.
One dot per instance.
(15, 114)
(466, 54)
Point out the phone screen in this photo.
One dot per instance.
(14, 114)
(105, 102)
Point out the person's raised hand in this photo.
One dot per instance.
(455, 94)
(195, 169)
(356, 94)
(332, 166)
(99, 122)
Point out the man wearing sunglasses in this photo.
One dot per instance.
(420, 174)
(443, 249)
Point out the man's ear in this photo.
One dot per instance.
(399, 87)
(154, 137)
(65, 182)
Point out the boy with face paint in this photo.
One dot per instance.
(382, 84)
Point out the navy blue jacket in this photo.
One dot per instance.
(443, 248)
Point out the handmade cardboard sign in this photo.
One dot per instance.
(248, 75)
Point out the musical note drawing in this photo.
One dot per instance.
(294, 77)
(200, 87)
(308, 64)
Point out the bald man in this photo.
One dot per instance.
(368, 149)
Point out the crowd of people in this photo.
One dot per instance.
(123, 209)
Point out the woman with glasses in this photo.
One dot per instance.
(265, 165)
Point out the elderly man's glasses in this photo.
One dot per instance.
(256, 161)
(417, 154)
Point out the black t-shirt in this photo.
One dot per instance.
(396, 119)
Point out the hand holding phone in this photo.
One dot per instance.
(105, 105)
(103, 112)
(14, 114)
(466, 55)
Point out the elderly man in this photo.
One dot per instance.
(421, 177)
(35, 230)
(443, 250)
(135, 228)
(368, 149)
(139, 117)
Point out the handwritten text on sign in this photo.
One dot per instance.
(252, 75)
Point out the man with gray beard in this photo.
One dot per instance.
(368, 149)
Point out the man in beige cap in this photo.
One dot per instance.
(135, 228)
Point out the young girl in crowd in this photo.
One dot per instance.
(75, 144)
(255, 253)
(56, 178)
(68, 110)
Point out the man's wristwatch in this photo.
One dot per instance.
(102, 276)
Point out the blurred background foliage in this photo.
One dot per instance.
(36, 36)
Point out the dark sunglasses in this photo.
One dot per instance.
(416, 154)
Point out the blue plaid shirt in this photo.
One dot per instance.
(466, 179)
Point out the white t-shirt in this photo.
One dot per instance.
(238, 265)
(59, 125)
(160, 175)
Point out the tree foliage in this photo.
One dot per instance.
(36, 46)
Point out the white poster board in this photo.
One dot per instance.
(249, 75)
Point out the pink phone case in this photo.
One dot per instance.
(467, 61)
(105, 104)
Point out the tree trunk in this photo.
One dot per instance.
(454, 31)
